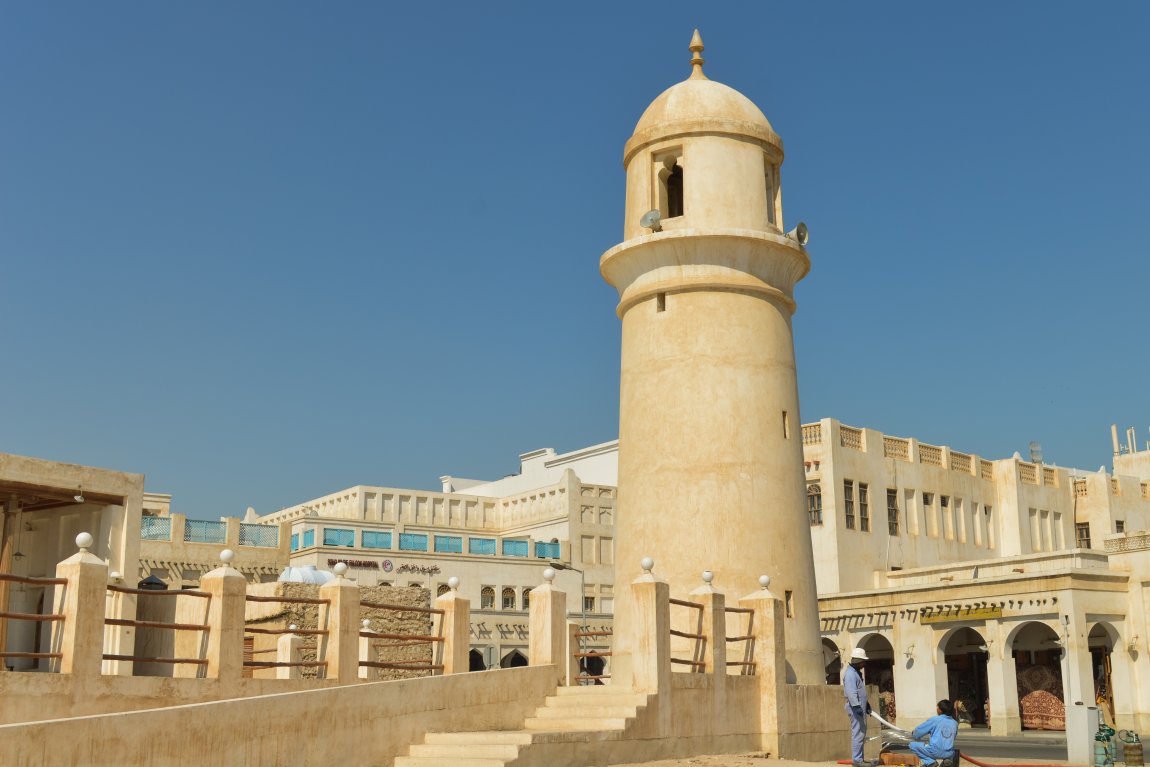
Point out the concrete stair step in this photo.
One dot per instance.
(632, 699)
(595, 689)
(586, 711)
(447, 761)
(571, 715)
(479, 737)
(504, 751)
(584, 724)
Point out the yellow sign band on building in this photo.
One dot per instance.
(962, 614)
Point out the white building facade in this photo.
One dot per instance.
(496, 537)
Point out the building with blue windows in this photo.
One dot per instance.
(496, 537)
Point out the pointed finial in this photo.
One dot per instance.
(697, 59)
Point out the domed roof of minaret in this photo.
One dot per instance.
(700, 104)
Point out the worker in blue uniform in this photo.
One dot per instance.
(857, 707)
(938, 732)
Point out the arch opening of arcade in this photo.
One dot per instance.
(1038, 653)
(832, 662)
(879, 671)
(965, 653)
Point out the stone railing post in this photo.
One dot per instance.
(232, 531)
(190, 644)
(651, 663)
(454, 625)
(769, 656)
(367, 653)
(288, 648)
(547, 640)
(573, 645)
(119, 640)
(651, 658)
(176, 527)
(341, 645)
(714, 646)
(714, 642)
(225, 640)
(80, 636)
(714, 650)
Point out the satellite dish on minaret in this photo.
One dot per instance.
(1035, 452)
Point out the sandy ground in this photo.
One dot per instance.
(730, 760)
(761, 760)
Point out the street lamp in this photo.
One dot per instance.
(556, 565)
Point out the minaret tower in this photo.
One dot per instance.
(710, 442)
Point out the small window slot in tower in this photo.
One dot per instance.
(772, 194)
(661, 302)
(790, 603)
(675, 191)
(668, 177)
(786, 426)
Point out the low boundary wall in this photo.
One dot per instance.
(362, 724)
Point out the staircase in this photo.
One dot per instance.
(571, 719)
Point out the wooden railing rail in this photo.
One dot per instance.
(159, 593)
(141, 659)
(31, 655)
(285, 600)
(33, 581)
(400, 608)
(400, 665)
(156, 625)
(685, 634)
(301, 632)
(31, 616)
(417, 638)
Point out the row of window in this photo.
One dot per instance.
(444, 544)
(857, 512)
(509, 598)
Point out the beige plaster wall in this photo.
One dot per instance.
(366, 724)
(37, 697)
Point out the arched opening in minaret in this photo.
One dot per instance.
(675, 191)
(771, 174)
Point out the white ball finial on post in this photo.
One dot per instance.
(340, 569)
(647, 564)
(708, 576)
(453, 583)
(764, 581)
(226, 556)
(366, 624)
(84, 542)
(549, 575)
(292, 627)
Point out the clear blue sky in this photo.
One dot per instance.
(264, 251)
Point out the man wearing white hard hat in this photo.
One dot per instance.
(857, 706)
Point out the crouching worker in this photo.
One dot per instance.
(938, 732)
